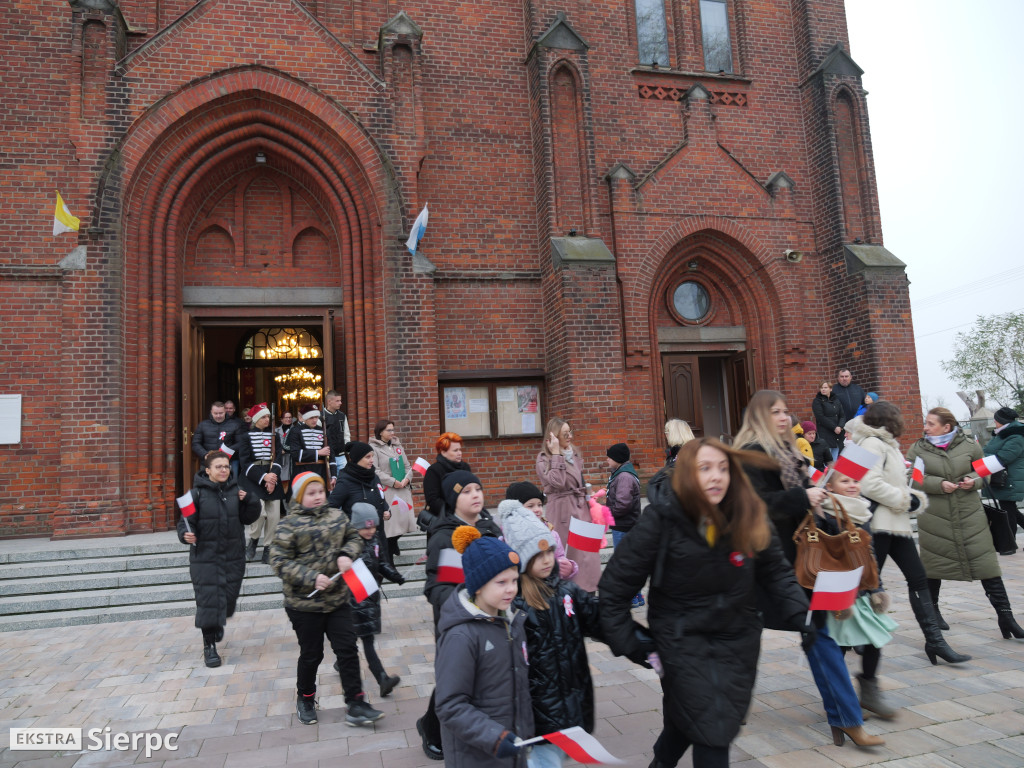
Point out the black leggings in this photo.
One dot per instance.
(904, 553)
(672, 744)
(869, 658)
(372, 659)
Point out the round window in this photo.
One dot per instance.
(691, 301)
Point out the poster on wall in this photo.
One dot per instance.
(528, 399)
(10, 419)
(455, 402)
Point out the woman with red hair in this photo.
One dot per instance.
(449, 459)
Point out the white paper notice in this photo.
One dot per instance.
(506, 394)
(10, 419)
(478, 405)
(529, 423)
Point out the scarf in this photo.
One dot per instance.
(855, 508)
(791, 465)
(569, 455)
(942, 441)
(365, 475)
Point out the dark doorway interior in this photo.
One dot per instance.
(707, 391)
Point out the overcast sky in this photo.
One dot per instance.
(946, 127)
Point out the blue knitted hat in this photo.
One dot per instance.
(483, 558)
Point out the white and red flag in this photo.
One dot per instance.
(836, 590)
(917, 476)
(584, 536)
(360, 581)
(814, 473)
(449, 567)
(582, 747)
(187, 505)
(855, 462)
(987, 466)
(401, 505)
(420, 466)
(224, 449)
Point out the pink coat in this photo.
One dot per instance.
(565, 489)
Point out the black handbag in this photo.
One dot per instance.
(1004, 537)
(1000, 479)
(424, 519)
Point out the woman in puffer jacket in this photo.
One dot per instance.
(885, 486)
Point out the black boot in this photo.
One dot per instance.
(250, 550)
(934, 643)
(305, 708)
(934, 586)
(210, 655)
(266, 556)
(387, 683)
(995, 591)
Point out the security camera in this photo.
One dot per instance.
(793, 257)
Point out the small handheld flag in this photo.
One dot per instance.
(188, 508)
(582, 747)
(814, 473)
(420, 466)
(855, 462)
(449, 567)
(418, 228)
(360, 581)
(224, 449)
(917, 476)
(836, 590)
(401, 505)
(987, 466)
(63, 221)
(584, 536)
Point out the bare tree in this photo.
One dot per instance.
(990, 357)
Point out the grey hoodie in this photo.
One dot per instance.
(483, 686)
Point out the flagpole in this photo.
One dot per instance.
(526, 742)
(333, 578)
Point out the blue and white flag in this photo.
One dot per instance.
(418, 228)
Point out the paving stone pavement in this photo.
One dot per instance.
(148, 675)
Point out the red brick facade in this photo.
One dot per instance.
(247, 148)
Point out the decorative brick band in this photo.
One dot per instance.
(661, 93)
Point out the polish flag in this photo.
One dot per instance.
(224, 449)
(421, 465)
(987, 466)
(814, 474)
(360, 581)
(582, 747)
(401, 505)
(584, 536)
(449, 567)
(188, 508)
(917, 476)
(855, 462)
(836, 590)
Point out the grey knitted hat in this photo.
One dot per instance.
(364, 516)
(523, 531)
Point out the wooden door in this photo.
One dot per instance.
(682, 390)
(191, 393)
(740, 385)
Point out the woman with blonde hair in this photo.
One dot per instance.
(560, 469)
(677, 434)
(786, 490)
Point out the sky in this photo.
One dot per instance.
(946, 129)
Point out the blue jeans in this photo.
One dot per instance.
(835, 453)
(833, 680)
(618, 536)
(545, 755)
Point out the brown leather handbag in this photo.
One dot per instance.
(819, 551)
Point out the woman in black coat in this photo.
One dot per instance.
(705, 558)
(358, 481)
(830, 418)
(449, 459)
(215, 532)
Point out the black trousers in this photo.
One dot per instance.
(672, 744)
(310, 629)
(372, 659)
(904, 553)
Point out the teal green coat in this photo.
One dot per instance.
(953, 531)
(1008, 447)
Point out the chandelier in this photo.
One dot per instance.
(303, 383)
(282, 344)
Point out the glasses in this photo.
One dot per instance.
(220, 465)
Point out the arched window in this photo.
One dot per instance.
(652, 32)
(282, 344)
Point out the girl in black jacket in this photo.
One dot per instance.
(707, 548)
(357, 482)
(830, 418)
(559, 615)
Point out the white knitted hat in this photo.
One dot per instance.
(524, 531)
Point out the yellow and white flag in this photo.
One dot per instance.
(63, 221)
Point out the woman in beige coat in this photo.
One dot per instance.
(893, 506)
(395, 472)
(954, 536)
(560, 469)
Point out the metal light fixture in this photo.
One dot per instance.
(260, 157)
